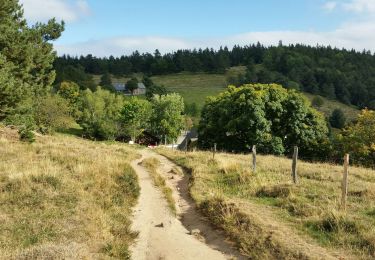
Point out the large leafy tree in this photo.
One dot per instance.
(70, 91)
(132, 85)
(167, 119)
(358, 139)
(136, 115)
(269, 116)
(101, 114)
(27, 54)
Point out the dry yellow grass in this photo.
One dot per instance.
(152, 164)
(64, 197)
(259, 210)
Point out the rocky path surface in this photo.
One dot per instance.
(163, 235)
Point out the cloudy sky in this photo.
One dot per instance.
(116, 27)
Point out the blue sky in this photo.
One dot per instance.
(105, 27)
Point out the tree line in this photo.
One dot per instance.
(272, 116)
(276, 119)
(31, 100)
(345, 75)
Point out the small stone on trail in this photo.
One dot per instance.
(160, 225)
(195, 232)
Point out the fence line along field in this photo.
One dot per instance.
(260, 209)
(64, 197)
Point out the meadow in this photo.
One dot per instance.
(259, 210)
(65, 197)
(196, 87)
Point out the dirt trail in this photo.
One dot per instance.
(165, 236)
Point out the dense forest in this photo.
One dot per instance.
(345, 75)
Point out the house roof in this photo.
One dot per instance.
(122, 86)
(119, 86)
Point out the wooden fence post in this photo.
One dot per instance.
(344, 186)
(254, 150)
(294, 165)
(214, 151)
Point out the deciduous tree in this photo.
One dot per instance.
(135, 116)
(167, 118)
(273, 118)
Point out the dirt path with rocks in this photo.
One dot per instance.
(163, 235)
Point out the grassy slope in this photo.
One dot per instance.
(259, 210)
(351, 112)
(63, 197)
(195, 87)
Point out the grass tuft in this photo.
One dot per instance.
(250, 204)
(66, 198)
(152, 164)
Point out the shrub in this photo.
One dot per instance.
(317, 101)
(337, 119)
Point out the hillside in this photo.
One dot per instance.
(260, 210)
(64, 197)
(196, 87)
(339, 74)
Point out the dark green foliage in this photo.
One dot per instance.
(340, 74)
(106, 82)
(269, 116)
(317, 101)
(337, 119)
(10, 89)
(132, 85)
(147, 81)
(26, 57)
(192, 109)
(26, 132)
(75, 74)
(155, 90)
(152, 89)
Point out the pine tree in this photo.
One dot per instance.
(106, 82)
(28, 54)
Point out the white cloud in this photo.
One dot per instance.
(360, 6)
(358, 32)
(351, 35)
(42, 10)
(330, 6)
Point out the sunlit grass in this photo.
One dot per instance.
(307, 211)
(64, 197)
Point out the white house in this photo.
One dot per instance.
(121, 87)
